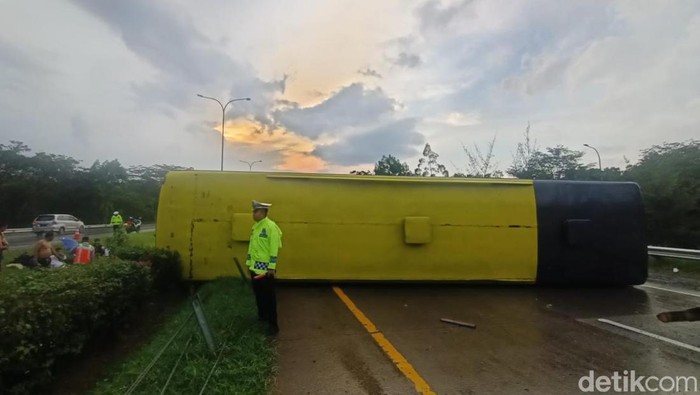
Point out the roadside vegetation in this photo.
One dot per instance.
(676, 271)
(90, 193)
(48, 316)
(53, 317)
(241, 364)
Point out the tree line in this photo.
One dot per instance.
(668, 175)
(41, 183)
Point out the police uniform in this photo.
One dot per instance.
(265, 243)
(116, 221)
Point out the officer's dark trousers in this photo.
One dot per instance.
(265, 298)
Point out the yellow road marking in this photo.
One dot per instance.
(389, 349)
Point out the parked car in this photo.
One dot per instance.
(58, 223)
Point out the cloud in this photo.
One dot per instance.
(278, 148)
(188, 61)
(436, 17)
(460, 119)
(399, 138)
(80, 128)
(408, 60)
(263, 95)
(352, 106)
(19, 69)
(304, 162)
(367, 72)
(620, 74)
(171, 44)
(543, 73)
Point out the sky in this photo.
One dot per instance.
(334, 85)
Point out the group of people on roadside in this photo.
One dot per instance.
(46, 255)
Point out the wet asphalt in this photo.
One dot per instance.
(528, 339)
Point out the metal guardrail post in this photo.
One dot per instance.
(203, 325)
(668, 252)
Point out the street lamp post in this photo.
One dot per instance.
(223, 121)
(250, 164)
(600, 164)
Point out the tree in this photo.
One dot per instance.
(668, 177)
(555, 163)
(46, 183)
(523, 154)
(480, 163)
(592, 173)
(391, 166)
(428, 165)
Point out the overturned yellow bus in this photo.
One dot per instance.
(345, 228)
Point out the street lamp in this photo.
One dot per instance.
(223, 121)
(600, 164)
(250, 164)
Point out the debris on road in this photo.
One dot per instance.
(459, 323)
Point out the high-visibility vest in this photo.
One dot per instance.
(84, 254)
(265, 243)
(116, 220)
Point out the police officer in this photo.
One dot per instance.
(265, 243)
(116, 221)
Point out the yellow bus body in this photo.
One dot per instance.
(338, 227)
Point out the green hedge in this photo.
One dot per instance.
(46, 314)
(166, 265)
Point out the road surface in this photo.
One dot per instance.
(24, 240)
(528, 340)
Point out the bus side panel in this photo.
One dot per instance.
(355, 228)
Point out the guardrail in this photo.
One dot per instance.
(29, 230)
(673, 252)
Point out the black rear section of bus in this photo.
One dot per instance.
(590, 233)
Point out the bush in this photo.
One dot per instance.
(131, 253)
(46, 314)
(166, 269)
(166, 265)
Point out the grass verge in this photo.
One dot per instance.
(141, 239)
(687, 272)
(245, 356)
(684, 267)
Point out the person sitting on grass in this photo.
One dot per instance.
(99, 248)
(59, 259)
(43, 249)
(84, 253)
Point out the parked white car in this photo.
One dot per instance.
(60, 223)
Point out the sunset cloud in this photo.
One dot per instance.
(122, 78)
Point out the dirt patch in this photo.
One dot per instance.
(78, 375)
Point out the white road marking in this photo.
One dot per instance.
(671, 290)
(652, 335)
